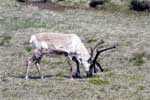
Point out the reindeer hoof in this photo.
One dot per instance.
(102, 70)
(76, 75)
(95, 70)
(71, 78)
(27, 78)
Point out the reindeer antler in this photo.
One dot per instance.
(96, 46)
(100, 51)
(94, 61)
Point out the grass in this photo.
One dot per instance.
(4, 77)
(60, 74)
(135, 78)
(28, 49)
(138, 59)
(99, 81)
(14, 23)
(91, 41)
(109, 74)
(7, 4)
(140, 88)
(121, 80)
(73, 3)
(5, 40)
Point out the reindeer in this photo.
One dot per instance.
(68, 45)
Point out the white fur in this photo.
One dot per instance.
(44, 45)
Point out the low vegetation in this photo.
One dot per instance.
(5, 40)
(138, 59)
(126, 69)
(98, 81)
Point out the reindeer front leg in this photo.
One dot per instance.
(77, 74)
(78, 69)
(39, 70)
(28, 64)
(37, 58)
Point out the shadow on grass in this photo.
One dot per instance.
(68, 77)
(32, 77)
(47, 76)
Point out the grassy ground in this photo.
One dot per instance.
(126, 69)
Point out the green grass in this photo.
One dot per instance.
(5, 40)
(135, 78)
(60, 74)
(28, 49)
(140, 88)
(15, 23)
(109, 74)
(98, 81)
(138, 59)
(91, 41)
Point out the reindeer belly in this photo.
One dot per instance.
(60, 46)
(55, 51)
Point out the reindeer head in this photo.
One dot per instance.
(95, 52)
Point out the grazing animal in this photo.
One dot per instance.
(68, 45)
(95, 3)
(140, 5)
